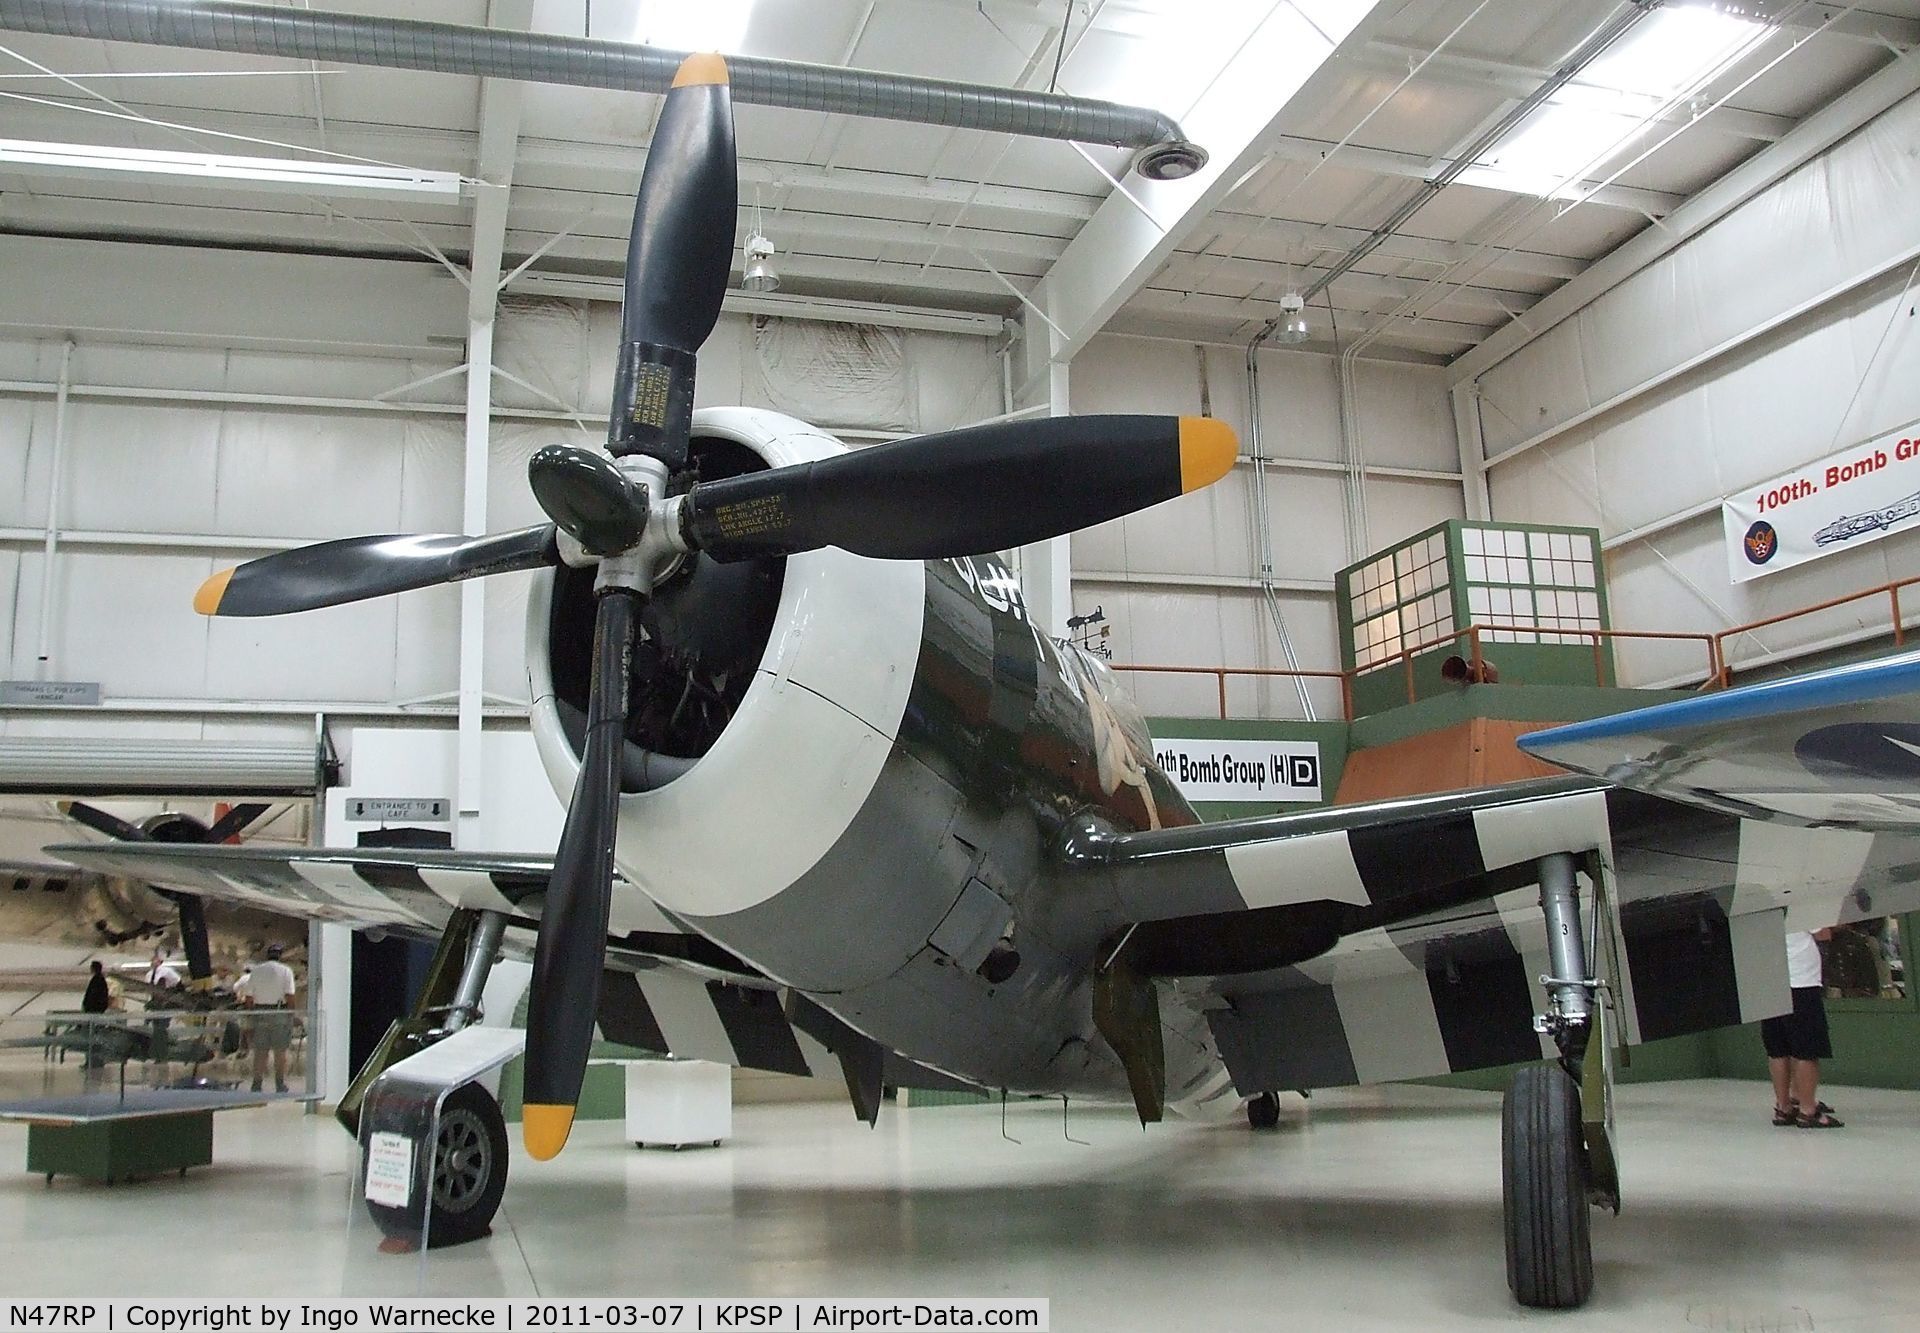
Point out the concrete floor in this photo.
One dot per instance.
(1372, 1208)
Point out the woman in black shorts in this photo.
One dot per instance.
(1797, 1042)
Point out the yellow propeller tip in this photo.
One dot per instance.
(544, 1128)
(207, 600)
(701, 67)
(1207, 450)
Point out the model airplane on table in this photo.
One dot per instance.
(837, 801)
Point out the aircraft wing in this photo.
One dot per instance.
(1404, 938)
(1838, 748)
(411, 888)
(666, 989)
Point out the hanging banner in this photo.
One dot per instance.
(1842, 502)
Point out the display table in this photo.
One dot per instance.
(672, 1103)
(120, 1147)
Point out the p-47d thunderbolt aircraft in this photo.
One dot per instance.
(836, 800)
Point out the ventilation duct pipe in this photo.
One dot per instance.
(1164, 152)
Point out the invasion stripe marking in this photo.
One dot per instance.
(685, 1013)
(466, 888)
(1276, 1041)
(624, 1015)
(1396, 859)
(1511, 834)
(1484, 1005)
(344, 886)
(821, 1062)
(1392, 1031)
(758, 1028)
(1681, 954)
(1297, 870)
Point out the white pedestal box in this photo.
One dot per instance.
(671, 1103)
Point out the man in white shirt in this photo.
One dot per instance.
(270, 986)
(1797, 1042)
(161, 974)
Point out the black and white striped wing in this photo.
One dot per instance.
(1404, 939)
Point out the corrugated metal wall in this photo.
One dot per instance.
(1174, 581)
(227, 404)
(1783, 333)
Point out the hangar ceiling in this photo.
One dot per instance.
(967, 220)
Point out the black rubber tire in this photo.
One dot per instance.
(1263, 1111)
(1544, 1178)
(469, 1177)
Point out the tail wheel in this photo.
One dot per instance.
(469, 1173)
(1263, 1111)
(1549, 1243)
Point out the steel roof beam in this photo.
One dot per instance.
(1135, 230)
(1415, 166)
(1515, 81)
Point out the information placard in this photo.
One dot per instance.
(387, 809)
(389, 1169)
(85, 693)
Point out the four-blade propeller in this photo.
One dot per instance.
(956, 493)
(191, 911)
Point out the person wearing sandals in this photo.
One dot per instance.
(1797, 1042)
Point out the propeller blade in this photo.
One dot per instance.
(192, 914)
(962, 492)
(677, 263)
(587, 497)
(678, 258)
(101, 822)
(570, 948)
(356, 568)
(234, 821)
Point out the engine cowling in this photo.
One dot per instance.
(749, 676)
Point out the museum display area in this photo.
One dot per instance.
(1038, 664)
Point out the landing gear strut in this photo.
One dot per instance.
(1556, 1121)
(470, 1138)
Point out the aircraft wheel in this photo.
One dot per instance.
(1263, 1111)
(1549, 1243)
(469, 1173)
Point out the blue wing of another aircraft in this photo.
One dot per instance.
(1838, 748)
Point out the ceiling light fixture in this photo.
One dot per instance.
(1664, 63)
(1292, 325)
(758, 274)
(294, 175)
(693, 25)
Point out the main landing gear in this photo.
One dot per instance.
(1263, 1111)
(470, 1137)
(1556, 1124)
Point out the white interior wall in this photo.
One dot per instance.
(1178, 582)
(1783, 333)
(223, 410)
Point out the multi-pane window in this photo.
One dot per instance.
(1400, 600)
(1530, 578)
